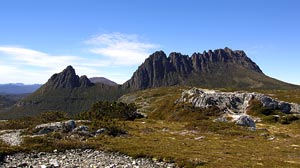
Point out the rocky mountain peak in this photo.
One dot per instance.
(67, 79)
(158, 55)
(199, 69)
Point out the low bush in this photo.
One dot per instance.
(111, 110)
(111, 127)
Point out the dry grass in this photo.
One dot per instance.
(189, 143)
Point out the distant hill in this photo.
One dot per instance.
(221, 68)
(103, 80)
(18, 88)
(8, 101)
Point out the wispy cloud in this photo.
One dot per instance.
(113, 56)
(19, 64)
(121, 49)
(36, 58)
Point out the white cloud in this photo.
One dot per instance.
(19, 64)
(36, 58)
(114, 55)
(121, 49)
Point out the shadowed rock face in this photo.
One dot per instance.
(160, 70)
(67, 79)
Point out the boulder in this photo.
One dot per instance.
(245, 121)
(69, 125)
(55, 126)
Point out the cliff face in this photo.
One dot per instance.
(206, 69)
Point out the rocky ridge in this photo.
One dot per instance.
(218, 68)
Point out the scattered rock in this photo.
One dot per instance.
(11, 137)
(80, 158)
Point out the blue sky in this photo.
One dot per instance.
(111, 38)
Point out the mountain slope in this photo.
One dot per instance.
(221, 68)
(102, 80)
(67, 92)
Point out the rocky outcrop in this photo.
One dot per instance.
(66, 79)
(69, 127)
(234, 102)
(66, 126)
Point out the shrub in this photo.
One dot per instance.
(111, 127)
(256, 109)
(53, 116)
(111, 110)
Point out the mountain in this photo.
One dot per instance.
(64, 91)
(67, 79)
(103, 80)
(221, 68)
(18, 88)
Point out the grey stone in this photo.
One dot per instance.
(245, 121)
(69, 125)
